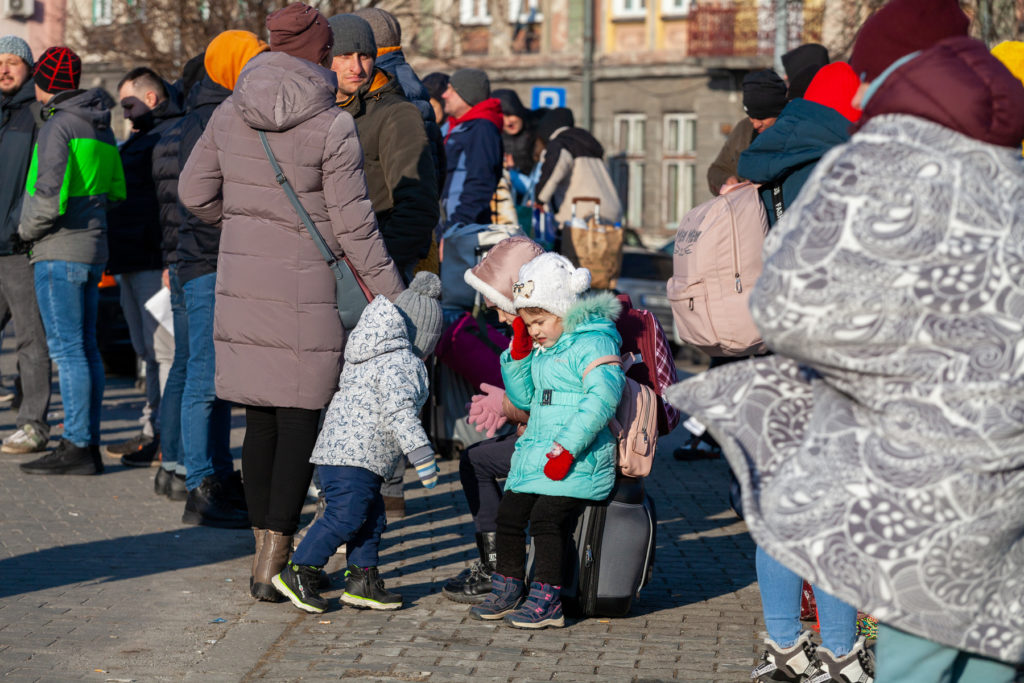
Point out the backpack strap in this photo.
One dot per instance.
(603, 360)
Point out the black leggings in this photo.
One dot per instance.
(481, 466)
(547, 516)
(275, 464)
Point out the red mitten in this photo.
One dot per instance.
(559, 462)
(522, 343)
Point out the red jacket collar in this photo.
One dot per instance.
(489, 109)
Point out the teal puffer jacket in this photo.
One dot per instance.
(566, 409)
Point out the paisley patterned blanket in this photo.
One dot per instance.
(881, 452)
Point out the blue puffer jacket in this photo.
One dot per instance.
(791, 148)
(565, 408)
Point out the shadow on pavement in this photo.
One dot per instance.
(121, 558)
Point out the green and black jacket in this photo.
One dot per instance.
(75, 172)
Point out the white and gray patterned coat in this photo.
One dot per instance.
(881, 453)
(374, 416)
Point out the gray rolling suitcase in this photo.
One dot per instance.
(610, 555)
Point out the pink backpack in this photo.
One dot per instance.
(635, 425)
(717, 261)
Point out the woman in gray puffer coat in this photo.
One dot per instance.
(277, 334)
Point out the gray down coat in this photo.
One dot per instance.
(374, 416)
(276, 330)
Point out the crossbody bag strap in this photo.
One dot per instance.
(282, 180)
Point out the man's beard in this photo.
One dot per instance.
(8, 92)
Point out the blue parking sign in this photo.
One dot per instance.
(547, 97)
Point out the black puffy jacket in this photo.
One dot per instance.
(198, 242)
(134, 231)
(19, 121)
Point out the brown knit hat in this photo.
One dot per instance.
(58, 69)
(301, 31)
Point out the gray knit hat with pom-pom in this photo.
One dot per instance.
(420, 305)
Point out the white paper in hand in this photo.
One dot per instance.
(159, 306)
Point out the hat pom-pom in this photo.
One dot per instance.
(579, 281)
(426, 284)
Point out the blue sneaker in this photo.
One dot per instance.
(542, 608)
(504, 597)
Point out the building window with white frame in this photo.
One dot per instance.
(629, 9)
(679, 170)
(676, 8)
(476, 12)
(102, 12)
(628, 165)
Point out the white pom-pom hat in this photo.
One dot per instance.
(550, 282)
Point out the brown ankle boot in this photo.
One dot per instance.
(276, 550)
(258, 535)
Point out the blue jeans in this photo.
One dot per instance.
(170, 405)
(901, 657)
(205, 419)
(68, 295)
(354, 515)
(780, 601)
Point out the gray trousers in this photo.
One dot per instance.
(18, 304)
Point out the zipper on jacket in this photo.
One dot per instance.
(735, 247)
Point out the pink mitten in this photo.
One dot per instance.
(485, 410)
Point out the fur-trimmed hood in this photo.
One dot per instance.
(592, 308)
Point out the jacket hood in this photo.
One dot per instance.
(92, 105)
(494, 276)
(207, 92)
(804, 132)
(594, 312)
(489, 110)
(959, 85)
(579, 141)
(381, 329)
(276, 91)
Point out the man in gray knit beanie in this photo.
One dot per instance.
(12, 74)
(472, 85)
(353, 53)
(19, 121)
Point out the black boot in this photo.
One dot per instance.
(66, 458)
(162, 482)
(177, 490)
(473, 584)
(365, 589)
(299, 584)
(208, 505)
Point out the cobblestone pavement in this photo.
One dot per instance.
(99, 580)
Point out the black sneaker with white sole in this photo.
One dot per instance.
(364, 588)
(298, 583)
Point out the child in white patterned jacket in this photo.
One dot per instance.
(372, 420)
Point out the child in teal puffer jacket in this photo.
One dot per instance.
(567, 454)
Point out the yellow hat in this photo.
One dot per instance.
(1011, 54)
(228, 53)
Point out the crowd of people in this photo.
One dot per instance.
(890, 300)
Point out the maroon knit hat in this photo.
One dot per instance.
(301, 31)
(902, 27)
(58, 69)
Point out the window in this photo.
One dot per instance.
(629, 9)
(676, 8)
(102, 12)
(475, 12)
(680, 166)
(628, 167)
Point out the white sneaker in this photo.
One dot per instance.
(25, 440)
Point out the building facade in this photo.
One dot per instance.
(656, 81)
